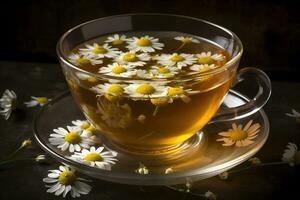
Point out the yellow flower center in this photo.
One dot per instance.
(115, 89)
(92, 79)
(205, 60)
(91, 128)
(163, 70)
(42, 100)
(204, 69)
(173, 91)
(238, 135)
(93, 157)
(84, 126)
(130, 57)
(117, 42)
(177, 58)
(83, 61)
(99, 50)
(67, 178)
(185, 40)
(72, 138)
(143, 42)
(159, 101)
(118, 69)
(145, 89)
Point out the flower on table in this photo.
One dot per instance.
(145, 90)
(291, 154)
(64, 181)
(144, 44)
(8, 103)
(186, 40)
(175, 59)
(71, 139)
(37, 101)
(40, 158)
(240, 136)
(142, 169)
(116, 39)
(223, 175)
(294, 114)
(255, 161)
(163, 72)
(210, 195)
(97, 51)
(82, 60)
(132, 58)
(96, 157)
(208, 58)
(118, 70)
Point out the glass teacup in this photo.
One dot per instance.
(156, 114)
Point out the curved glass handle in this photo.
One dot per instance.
(260, 99)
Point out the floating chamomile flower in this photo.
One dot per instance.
(163, 72)
(80, 60)
(145, 90)
(110, 91)
(8, 103)
(208, 58)
(37, 101)
(175, 59)
(131, 58)
(291, 154)
(116, 69)
(202, 67)
(240, 136)
(64, 181)
(187, 39)
(96, 157)
(86, 77)
(141, 73)
(71, 139)
(116, 39)
(86, 127)
(144, 44)
(179, 92)
(97, 51)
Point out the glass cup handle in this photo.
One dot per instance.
(254, 104)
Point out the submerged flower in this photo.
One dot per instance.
(97, 51)
(144, 44)
(8, 103)
(142, 169)
(294, 114)
(208, 58)
(116, 39)
(145, 90)
(131, 58)
(175, 59)
(116, 69)
(81, 60)
(64, 181)
(71, 139)
(37, 101)
(96, 157)
(240, 136)
(186, 39)
(291, 154)
(86, 77)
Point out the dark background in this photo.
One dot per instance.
(269, 30)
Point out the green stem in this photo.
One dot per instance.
(180, 47)
(15, 152)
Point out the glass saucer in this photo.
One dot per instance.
(204, 157)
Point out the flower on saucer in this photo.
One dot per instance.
(64, 181)
(144, 44)
(96, 158)
(8, 103)
(145, 90)
(208, 58)
(116, 39)
(179, 92)
(202, 67)
(87, 128)
(294, 114)
(175, 59)
(142, 169)
(163, 72)
(81, 60)
(291, 154)
(240, 136)
(186, 39)
(71, 139)
(37, 101)
(86, 77)
(97, 51)
(131, 58)
(110, 91)
(116, 69)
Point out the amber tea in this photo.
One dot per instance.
(146, 90)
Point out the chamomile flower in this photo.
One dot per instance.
(291, 154)
(208, 58)
(175, 59)
(132, 58)
(37, 101)
(187, 39)
(163, 72)
(240, 136)
(202, 67)
(295, 114)
(96, 157)
(8, 103)
(145, 90)
(179, 92)
(141, 73)
(71, 139)
(81, 60)
(210, 195)
(87, 128)
(144, 44)
(97, 51)
(64, 181)
(86, 77)
(110, 91)
(142, 169)
(116, 39)
(116, 69)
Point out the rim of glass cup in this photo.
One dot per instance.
(211, 72)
